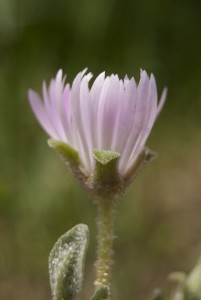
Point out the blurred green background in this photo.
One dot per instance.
(158, 224)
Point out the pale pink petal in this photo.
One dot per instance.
(162, 100)
(107, 111)
(94, 103)
(53, 104)
(150, 115)
(149, 119)
(40, 113)
(125, 113)
(77, 120)
(116, 141)
(66, 114)
(139, 119)
(86, 114)
(100, 112)
(112, 115)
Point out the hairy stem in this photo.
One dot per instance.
(105, 241)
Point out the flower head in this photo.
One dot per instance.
(114, 114)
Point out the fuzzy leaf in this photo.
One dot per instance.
(66, 262)
(101, 293)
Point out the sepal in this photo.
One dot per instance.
(66, 262)
(106, 179)
(145, 156)
(70, 156)
(105, 157)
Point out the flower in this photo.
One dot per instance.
(113, 114)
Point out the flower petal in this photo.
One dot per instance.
(80, 137)
(139, 118)
(39, 111)
(162, 100)
(113, 115)
(107, 112)
(94, 103)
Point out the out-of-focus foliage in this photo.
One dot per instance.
(158, 224)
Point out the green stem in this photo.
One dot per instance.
(105, 242)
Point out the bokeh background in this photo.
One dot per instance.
(158, 224)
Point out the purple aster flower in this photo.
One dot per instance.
(101, 133)
(113, 114)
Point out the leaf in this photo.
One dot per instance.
(101, 293)
(66, 262)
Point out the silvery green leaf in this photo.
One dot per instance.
(66, 262)
(101, 293)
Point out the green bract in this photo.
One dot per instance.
(105, 180)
